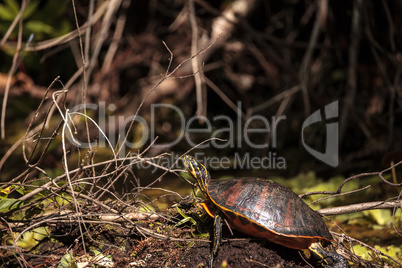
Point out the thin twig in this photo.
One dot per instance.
(352, 68)
(360, 207)
(12, 70)
(304, 73)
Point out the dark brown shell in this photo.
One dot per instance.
(262, 208)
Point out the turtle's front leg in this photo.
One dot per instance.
(217, 237)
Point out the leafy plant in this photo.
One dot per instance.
(29, 239)
(43, 21)
(192, 221)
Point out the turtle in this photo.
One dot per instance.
(264, 209)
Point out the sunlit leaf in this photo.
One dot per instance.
(67, 261)
(392, 251)
(31, 8)
(6, 13)
(101, 260)
(20, 189)
(29, 239)
(381, 216)
(362, 252)
(36, 26)
(9, 204)
(13, 5)
(5, 192)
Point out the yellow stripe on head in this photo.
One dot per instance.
(198, 171)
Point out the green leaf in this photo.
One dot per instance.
(30, 9)
(4, 192)
(41, 233)
(9, 204)
(20, 189)
(30, 239)
(6, 14)
(362, 252)
(38, 27)
(67, 261)
(381, 216)
(13, 6)
(101, 260)
(52, 10)
(183, 221)
(186, 218)
(391, 250)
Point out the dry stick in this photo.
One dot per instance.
(338, 191)
(385, 170)
(95, 201)
(63, 176)
(199, 85)
(72, 79)
(304, 73)
(112, 8)
(273, 100)
(304, 259)
(352, 68)
(89, 31)
(260, 264)
(360, 207)
(67, 37)
(10, 151)
(118, 33)
(256, 36)
(370, 36)
(27, 161)
(84, 77)
(281, 109)
(378, 253)
(71, 216)
(174, 163)
(84, 92)
(8, 228)
(111, 183)
(28, 133)
(17, 19)
(11, 72)
(165, 76)
(54, 190)
(225, 98)
(391, 86)
(224, 25)
(269, 70)
(391, 27)
(332, 193)
(144, 231)
(341, 185)
(393, 215)
(65, 165)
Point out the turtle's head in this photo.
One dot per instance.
(198, 171)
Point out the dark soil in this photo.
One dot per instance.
(159, 242)
(234, 252)
(244, 254)
(136, 251)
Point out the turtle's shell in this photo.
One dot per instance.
(265, 209)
